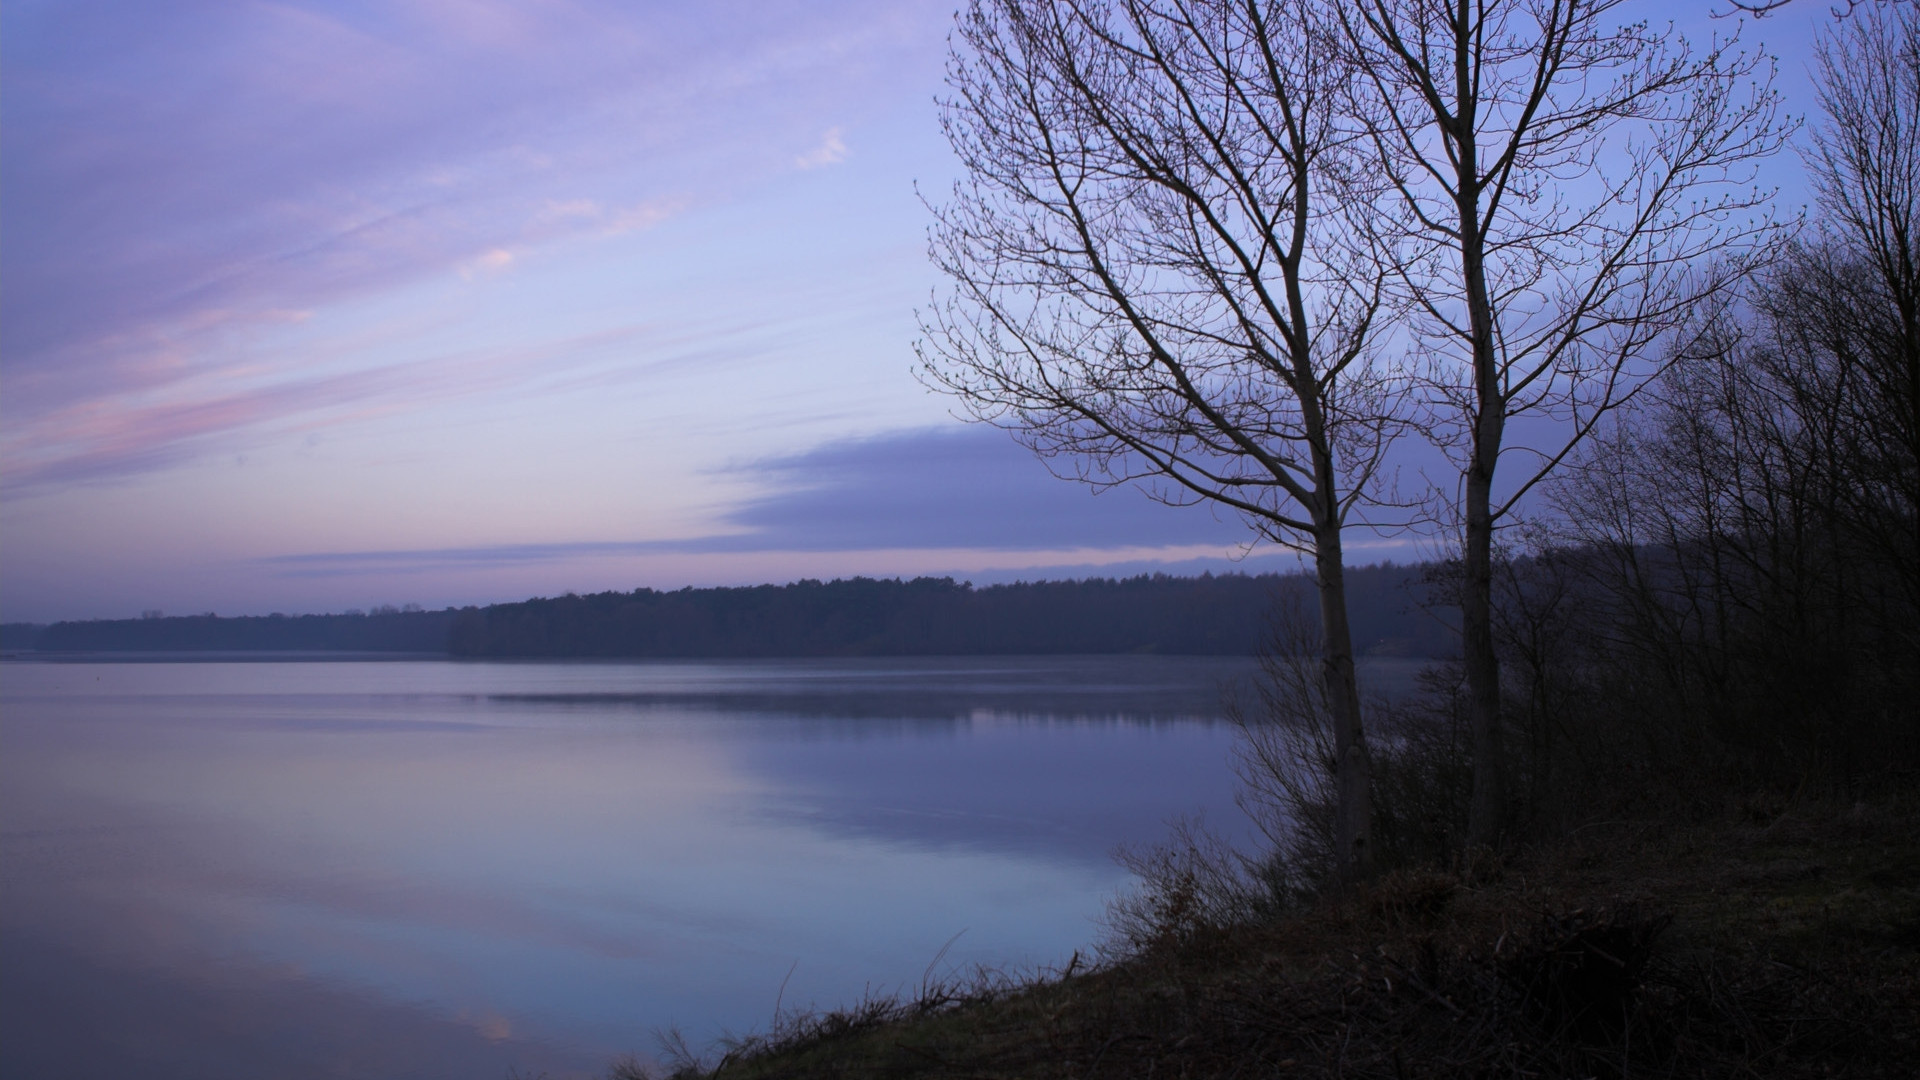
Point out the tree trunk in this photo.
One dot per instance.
(1485, 814)
(1353, 766)
(1488, 808)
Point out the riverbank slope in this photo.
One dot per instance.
(1778, 940)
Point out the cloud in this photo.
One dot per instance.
(570, 209)
(831, 151)
(167, 159)
(645, 215)
(960, 487)
(928, 489)
(491, 262)
(92, 442)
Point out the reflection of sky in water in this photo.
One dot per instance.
(436, 868)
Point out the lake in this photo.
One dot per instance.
(439, 869)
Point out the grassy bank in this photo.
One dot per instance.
(1773, 941)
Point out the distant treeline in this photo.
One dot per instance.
(1225, 615)
(20, 635)
(1219, 616)
(384, 630)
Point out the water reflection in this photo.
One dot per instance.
(69, 1014)
(439, 869)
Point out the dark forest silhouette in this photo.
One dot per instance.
(385, 630)
(1224, 615)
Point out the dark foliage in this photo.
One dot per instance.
(1579, 971)
(1207, 616)
(19, 635)
(385, 630)
(1196, 616)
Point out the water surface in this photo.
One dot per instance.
(432, 868)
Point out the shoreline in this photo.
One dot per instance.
(1774, 941)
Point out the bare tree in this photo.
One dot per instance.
(1760, 512)
(1760, 9)
(1157, 278)
(1572, 189)
(1863, 278)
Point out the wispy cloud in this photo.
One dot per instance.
(831, 151)
(965, 489)
(165, 161)
(491, 262)
(92, 442)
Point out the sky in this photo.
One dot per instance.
(312, 306)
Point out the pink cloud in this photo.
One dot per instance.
(169, 170)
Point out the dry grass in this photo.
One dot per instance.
(1777, 943)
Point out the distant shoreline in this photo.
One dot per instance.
(213, 656)
(1207, 615)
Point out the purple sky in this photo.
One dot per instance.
(307, 306)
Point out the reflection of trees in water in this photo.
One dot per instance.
(904, 709)
(1106, 693)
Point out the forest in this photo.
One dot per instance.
(384, 630)
(1224, 615)
(1207, 615)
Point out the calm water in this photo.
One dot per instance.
(458, 869)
